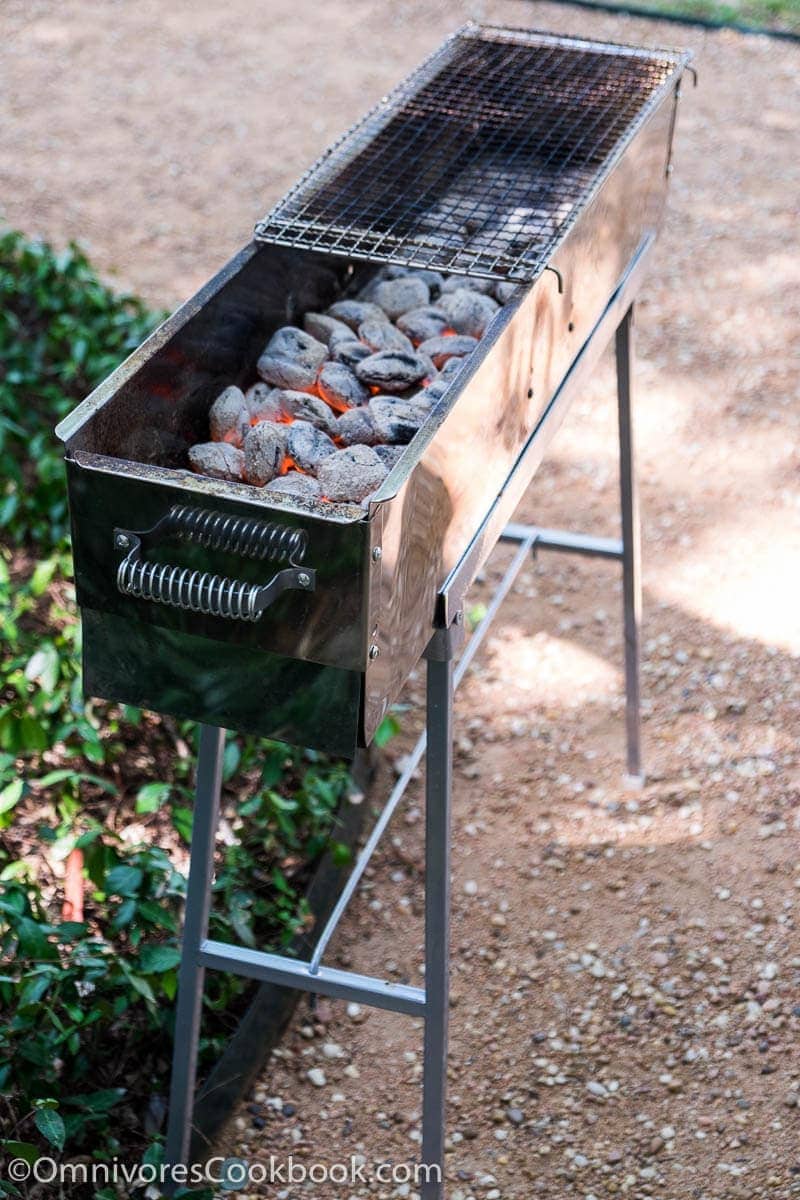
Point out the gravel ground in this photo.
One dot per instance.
(626, 966)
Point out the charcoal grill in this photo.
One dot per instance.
(508, 155)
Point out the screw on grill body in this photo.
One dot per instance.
(376, 554)
(374, 651)
(303, 579)
(123, 541)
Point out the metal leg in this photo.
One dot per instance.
(438, 787)
(195, 928)
(631, 554)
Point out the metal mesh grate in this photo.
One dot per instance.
(481, 160)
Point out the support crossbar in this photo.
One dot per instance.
(294, 973)
(561, 539)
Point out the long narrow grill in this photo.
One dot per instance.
(480, 162)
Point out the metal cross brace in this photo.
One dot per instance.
(430, 1003)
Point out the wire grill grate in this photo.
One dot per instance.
(481, 160)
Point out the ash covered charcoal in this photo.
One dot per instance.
(307, 446)
(434, 280)
(263, 403)
(304, 407)
(382, 335)
(454, 283)
(353, 312)
(449, 370)
(395, 370)
(291, 359)
(355, 427)
(228, 417)
(398, 296)
(220, 460)
(396, 420)
(348, 350)
(295, 484)
(468, 312)
(323, 327)
(422, 323)
(441, 349)
(264, 450)
(351, 474)
(341, 388)
(503, 292)
(389, 455)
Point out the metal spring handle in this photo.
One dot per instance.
(201, 591)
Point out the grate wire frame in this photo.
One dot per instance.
(482, 159)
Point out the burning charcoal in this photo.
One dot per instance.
(263, 403)
(291, 359)
(450, 368)
(351, 474)
(307, 446)
(348, 350)
(295, 483)
(322, 327)
(503, 292)
(353, 312)
(422, 323)
(338, 385)
(220, 460)
(396, 420)
(395, 370)
(355, 427)
(455, 282)
(468, 312)
(441, 349)
(433, 393)
(228, 417)
(389, 455)
(264, 450)
(382, 335)
(303, 407)
(398, 296)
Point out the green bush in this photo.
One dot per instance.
(61, 332)
(86, 1007)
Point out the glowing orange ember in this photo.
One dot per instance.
(289, 464)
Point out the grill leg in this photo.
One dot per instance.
(195, 929)
(438, 788)
(631, 554)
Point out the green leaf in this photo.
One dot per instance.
(99, 1102)
(23, 1150)
(123, 880)
(10, 796)
(143, 988)
(155, 959)
(33, 939)
(182, 822)
(150, 797)
(388, 728)
(42, 576)
(50, 1126)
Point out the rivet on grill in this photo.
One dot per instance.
(376, 554)
(374, 651)
(303, 579)
(123, 541)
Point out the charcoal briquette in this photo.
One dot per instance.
(220, 460)
(291, 359)
(264, 450)
(228, 417)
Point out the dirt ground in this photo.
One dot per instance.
(626, 967)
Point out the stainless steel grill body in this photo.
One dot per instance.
(320, 667)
